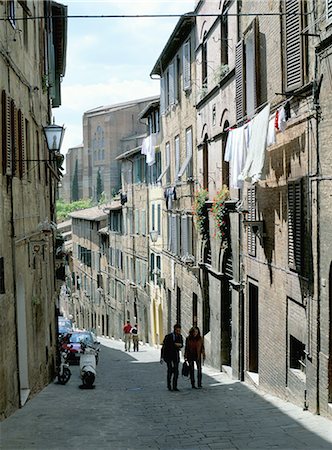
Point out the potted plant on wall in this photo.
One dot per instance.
(220, 214)
(200, 212)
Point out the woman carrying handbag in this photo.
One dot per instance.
(194, 352)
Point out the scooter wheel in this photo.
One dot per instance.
(64, 377)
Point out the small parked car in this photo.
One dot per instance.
(64, 325)
(72, 344)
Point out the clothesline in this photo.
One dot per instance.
(256, 111)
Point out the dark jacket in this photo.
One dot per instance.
(194, 349)
(169, 351)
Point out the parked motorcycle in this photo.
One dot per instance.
(88, 365)
(64, 372)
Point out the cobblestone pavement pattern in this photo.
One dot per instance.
(130, 408)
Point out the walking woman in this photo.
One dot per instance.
(194, 352)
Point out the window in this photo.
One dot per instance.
(143, 222)
(205, 164)
(224, 39)
(177, 157)
(159, 218)
(296, 354)
(186, 66)
(251, 237)
(152, 264)
(154, 171)
(178, 80)
(178, 305)
(174, 234)
(295, 44)
(166, 170)
(153, 216)
(247, 73)
(187, 164)
(295, 234)
(167, 88)
(11, 12)
(115, 221)
(186, 235)
(204, 62)
(139, 169)
(2, 276)
(158, 268)
(137, 227)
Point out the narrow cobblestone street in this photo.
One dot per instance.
(130, 408)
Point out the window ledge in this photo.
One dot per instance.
(254, 377)
(298, 373)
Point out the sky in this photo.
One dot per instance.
(109, 60)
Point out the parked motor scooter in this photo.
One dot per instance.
(87, 365)
(64, 372)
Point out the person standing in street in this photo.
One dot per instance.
(170, 353)
(134, 333)
(127, 335)
(194, 352)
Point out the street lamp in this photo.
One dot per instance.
(54, 136)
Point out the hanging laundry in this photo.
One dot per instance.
(235, 154)
(287, 110)
(148, 149)
(271, 131)
(276, 120)
(255, 160)
(282, 120)
(170, 197)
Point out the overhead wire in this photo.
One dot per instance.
(151, 16)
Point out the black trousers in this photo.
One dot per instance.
(172, 374)
(192, 372)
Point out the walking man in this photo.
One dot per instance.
(127, 335)
(170, 353)
(134, 332)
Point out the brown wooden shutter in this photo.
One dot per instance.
(295, 226)
(293, 45)
(3, 131)
(9, 137)
(21, 143)
(257, 80)
(16, 148)
(251, 237)
(239, 80)
(7, 156)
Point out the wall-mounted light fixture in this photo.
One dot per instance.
(54, 136)
(154, 235)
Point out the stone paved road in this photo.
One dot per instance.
(130, 408)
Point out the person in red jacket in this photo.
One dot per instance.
(194, 352)
(127, 335)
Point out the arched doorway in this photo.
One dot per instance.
(226, 308)
(205, 163)
(22, 340)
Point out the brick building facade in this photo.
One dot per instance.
(32, 63)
